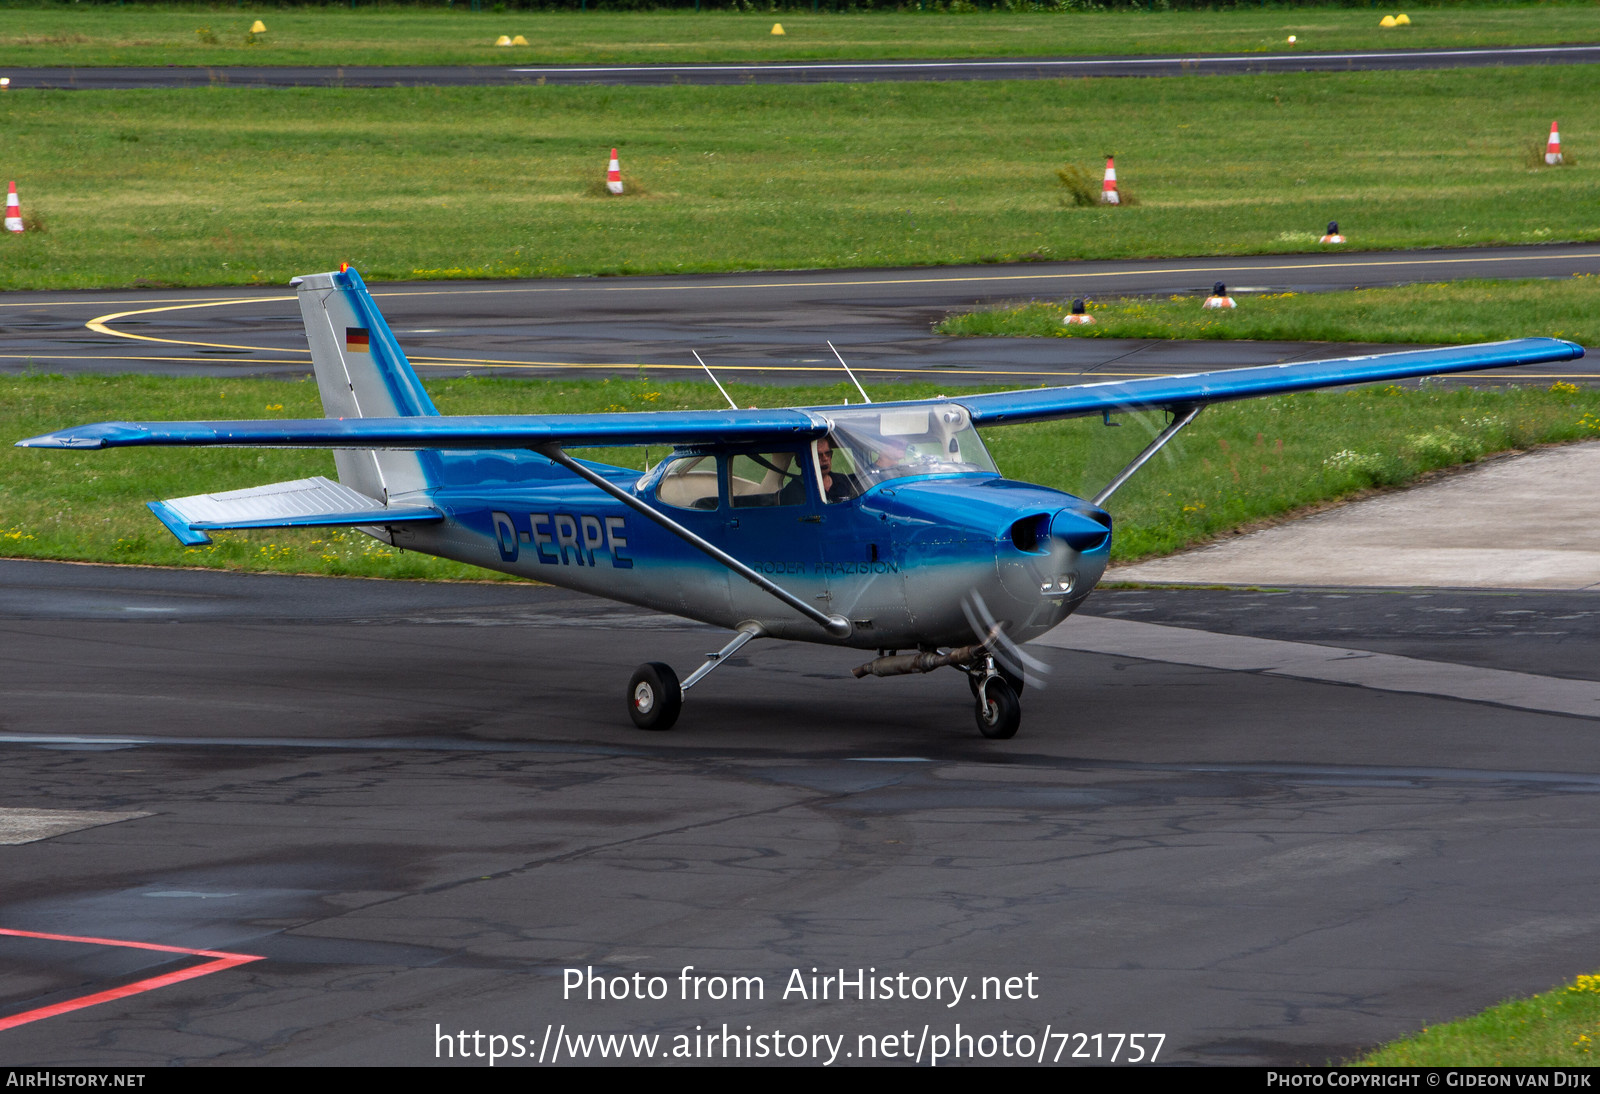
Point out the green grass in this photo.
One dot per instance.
(209, 34)
(1559, 1028)
(1458, 311)
(237, 186)
(1238, 463)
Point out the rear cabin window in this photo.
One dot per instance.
(689, 482)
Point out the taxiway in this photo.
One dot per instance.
(419, 805)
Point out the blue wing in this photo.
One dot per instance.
(694, 427)
(1202, 388)
(688, 427)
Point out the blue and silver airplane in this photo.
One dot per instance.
(882, 526)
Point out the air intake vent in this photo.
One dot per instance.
(1027, 532)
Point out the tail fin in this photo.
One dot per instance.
(363, 373)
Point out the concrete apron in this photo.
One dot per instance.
(1522, 522)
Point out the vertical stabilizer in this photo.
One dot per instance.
(363, 373)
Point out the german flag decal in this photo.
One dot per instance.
(357, 340)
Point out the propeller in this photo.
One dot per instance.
(1007, 653)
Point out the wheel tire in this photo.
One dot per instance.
(654, 696)
(999, 718)
(1004, 673)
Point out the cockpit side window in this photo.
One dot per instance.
(760, 479)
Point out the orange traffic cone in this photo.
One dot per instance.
(1332, 235)
(1552, 151)
(1219, 297)
(614, 174)
(1078, 315)
(13, 210)
(1108, 188)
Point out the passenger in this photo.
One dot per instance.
(891, 454)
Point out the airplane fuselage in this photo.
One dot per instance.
(908, 562)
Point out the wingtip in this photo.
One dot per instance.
(59, 440)
(98, 435)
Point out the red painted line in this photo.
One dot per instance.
(220, 960)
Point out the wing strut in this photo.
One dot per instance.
(836, 625)
(1182, 419)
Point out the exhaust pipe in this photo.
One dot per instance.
(904, 664)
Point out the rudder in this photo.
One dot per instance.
(362, 373)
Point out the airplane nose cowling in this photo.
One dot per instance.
(1079, 531)
(1047, 572)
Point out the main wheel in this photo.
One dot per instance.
(654, 696)
(999, 717)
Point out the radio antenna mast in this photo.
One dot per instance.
(852, 375)
(714, 380)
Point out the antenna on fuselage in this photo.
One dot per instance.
(852, 375)
(714, 380)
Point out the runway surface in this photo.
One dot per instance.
(777, 72)
(771, 326)
(419, 805)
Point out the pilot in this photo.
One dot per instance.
(836, 486)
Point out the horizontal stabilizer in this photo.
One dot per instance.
(303, 503)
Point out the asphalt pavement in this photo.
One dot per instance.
(408, 812)
(768, 326)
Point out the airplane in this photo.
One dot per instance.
(877, 526)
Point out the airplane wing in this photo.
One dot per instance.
(692, 427)
(1202, 388)
(480, 432)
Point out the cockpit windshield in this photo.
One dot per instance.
(871, 445)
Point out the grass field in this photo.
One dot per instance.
(236, 186)
(1239, 463)
(213, 34)
(1455, 312)
(1558, 1028)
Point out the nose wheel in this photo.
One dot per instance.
(999, 711)
(655, 698)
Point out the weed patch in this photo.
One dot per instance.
(1559, 1028)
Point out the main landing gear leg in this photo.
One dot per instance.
(655, 697)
